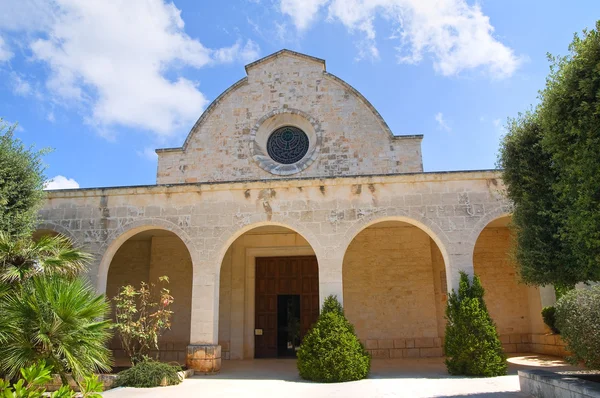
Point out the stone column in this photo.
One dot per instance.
(204, 352)
(459, 261)
(547, 295)
(330, 277)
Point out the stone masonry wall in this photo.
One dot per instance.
(507, 299)
(236, 299)
(328, 213)
(389, 292)
(355, 139)
(146, 260)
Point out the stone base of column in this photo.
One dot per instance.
(204, 358)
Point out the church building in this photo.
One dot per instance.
(289, 188)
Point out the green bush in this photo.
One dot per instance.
(578, 319)
(471, 345)
(330, 352)
(34, 377)
(149, 373)
(549, 316)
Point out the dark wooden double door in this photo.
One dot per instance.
(289, 280)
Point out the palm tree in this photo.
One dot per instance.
(24, 258)
(60, 320)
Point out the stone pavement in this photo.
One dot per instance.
(389, 378)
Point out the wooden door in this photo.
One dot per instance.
(283, 275)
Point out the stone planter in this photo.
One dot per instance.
(204, 358)
(544, 384)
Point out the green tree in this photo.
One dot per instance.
(330, 352)
(22, 258)
(471, 344)
(551, 166)
(61, 321)
(21, 183)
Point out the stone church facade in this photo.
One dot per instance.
(289, 188)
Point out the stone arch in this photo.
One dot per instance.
(395, 285)
(514, 307)
(123, 233)
(487, 218)
(242, 254)
(59, 229)
(230, 235)
(429, 227)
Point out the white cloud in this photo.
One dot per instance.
(21, 86)
(247, 53)
(455, 35)
(50, 117)
(5, 53)
(148, 154)
(112, 59)
(60, 182)
(302, 12)
(439, 118)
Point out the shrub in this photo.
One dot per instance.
(578, 319)
(32, 381)
(549, 316)
(471, 345)
(330, 352)
(58, 320)
(149, 373)
(141, 318)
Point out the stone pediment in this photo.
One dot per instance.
(332, 130)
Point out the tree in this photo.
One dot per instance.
(61, 321)
(330, 352)
(551, 166)
(21, 183)
(471, 346)
(22, 258)
(141, 318)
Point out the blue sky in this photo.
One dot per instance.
(104, 83)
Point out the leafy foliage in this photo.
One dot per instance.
(471, 345)
(551, 162)
(32, 381)
(149, 373)
(57, 320)
(141, 318)
(578, 319)
(23, 258)
(549, 317)
(330, 352)
(21, 183)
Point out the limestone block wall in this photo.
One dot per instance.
(355, 139)
(514, 306)
(328, 212)
(144, 260)
(389, 291)
(237, 284)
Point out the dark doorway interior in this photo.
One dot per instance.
(288, 324)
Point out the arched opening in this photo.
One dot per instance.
(394, 280)
(145, 257)
(268, 293)
(514, 306)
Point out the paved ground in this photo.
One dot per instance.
(389, 378)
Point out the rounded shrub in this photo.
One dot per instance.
(330, 352)
(149, 373)
(471, 345)
(549, 317)
(578, 319)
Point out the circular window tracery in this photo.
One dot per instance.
(287, 145)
